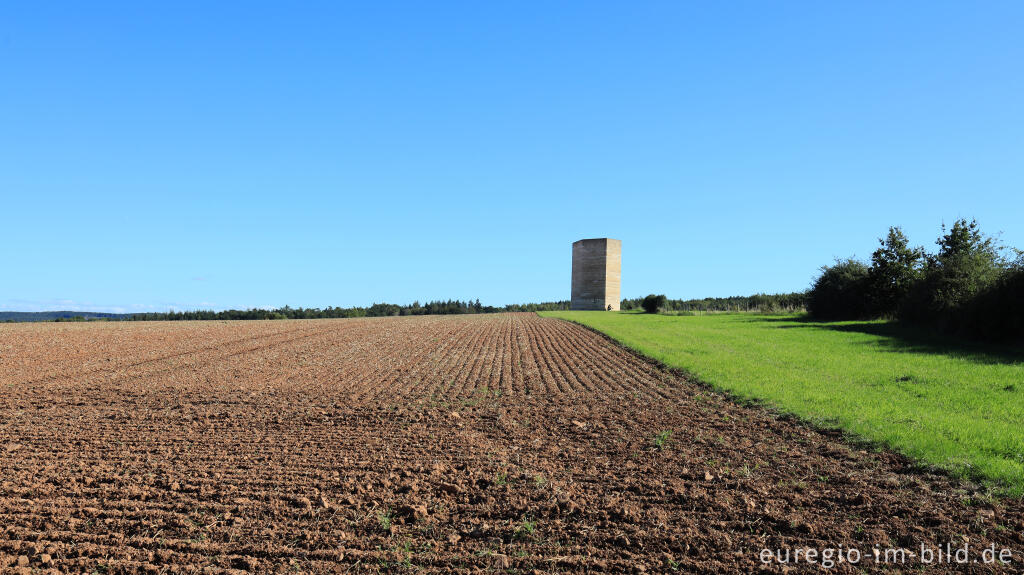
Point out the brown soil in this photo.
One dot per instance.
(504, 443)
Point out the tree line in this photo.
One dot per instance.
(971, 285)
(446, 307)
(759, 303)
(763, 303)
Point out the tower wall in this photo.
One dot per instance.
(596, 274)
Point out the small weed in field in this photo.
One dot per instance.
(525, 529)
(539, 481)
(501, 478)
(385, 519)
(427, 529)
(793, 484)
(482, 394)
(405, 551)
(661, 440)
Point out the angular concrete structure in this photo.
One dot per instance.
(596, 274)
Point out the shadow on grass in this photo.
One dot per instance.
(899, 338)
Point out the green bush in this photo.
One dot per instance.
(968, 264)
(967, 287)
(840, 292)
(895, 269)
(997, 313)
(653, 303)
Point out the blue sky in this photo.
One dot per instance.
(238, 154)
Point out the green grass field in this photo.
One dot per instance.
(959, 406)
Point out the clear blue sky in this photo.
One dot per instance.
(237, 154)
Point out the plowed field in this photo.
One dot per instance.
(501, 442)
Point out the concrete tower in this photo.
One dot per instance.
(596, 274)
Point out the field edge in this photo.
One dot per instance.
(971, 478)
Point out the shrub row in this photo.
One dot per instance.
(967, 286)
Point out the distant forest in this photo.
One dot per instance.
(760, 303)
(20, 316)
(448, 307)
(763, 303)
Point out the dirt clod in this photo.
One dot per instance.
(499, 561)
(415, 512)
(450, 488)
